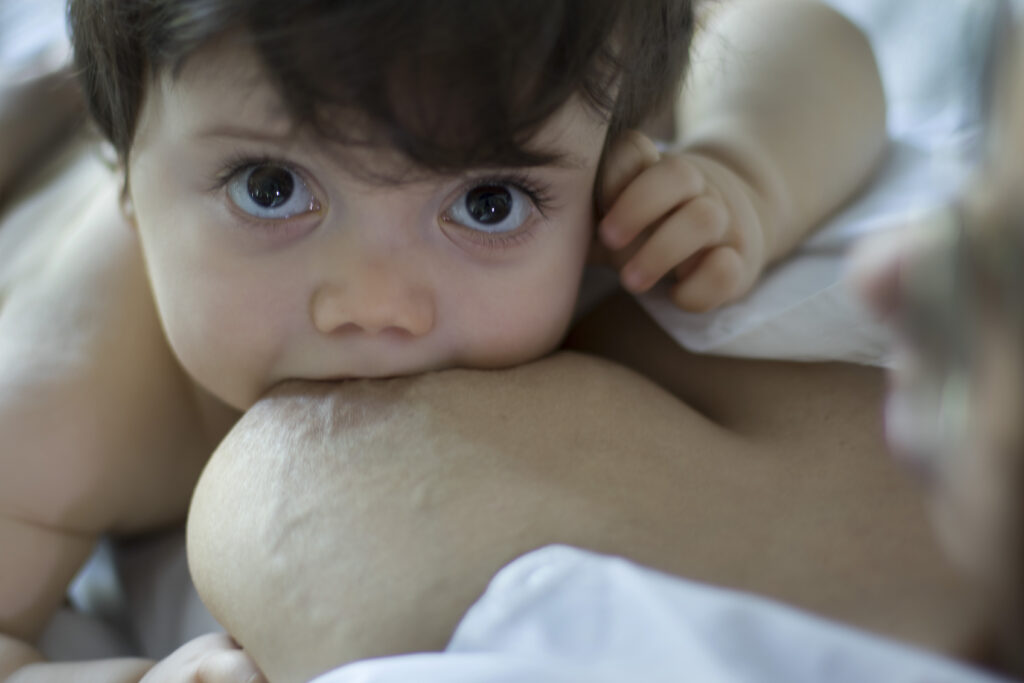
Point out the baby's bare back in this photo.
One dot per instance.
(100, 429)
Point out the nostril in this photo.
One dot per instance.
(376, 330)
(401, 332)
(374, 311)
(347, 328)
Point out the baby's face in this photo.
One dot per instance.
(269, 261)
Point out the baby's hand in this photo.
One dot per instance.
(213, 658)
(683, 213)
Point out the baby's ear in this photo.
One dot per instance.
(119, 168)
(126, 204)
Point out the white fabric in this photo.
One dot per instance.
(933, 58)
(33, 38)
(131, 599)
(562, 614)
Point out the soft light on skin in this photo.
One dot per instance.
(374, 281)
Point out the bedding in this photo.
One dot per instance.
(560, 614)
(32, 39)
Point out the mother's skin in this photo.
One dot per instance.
(339, 522)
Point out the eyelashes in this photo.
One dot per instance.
(271, 192)
(266, 189)
(491, 210)
(237, 163)
(497, 210)
(539, 193)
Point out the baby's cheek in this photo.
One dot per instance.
(221, 348)
(520, 329)
(205, 356)
(531, 320)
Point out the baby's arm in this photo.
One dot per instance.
(40, 556)
(782, 119)
(100, 431)
(35, 566)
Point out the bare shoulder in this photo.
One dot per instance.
(90, 395)
(100, 429)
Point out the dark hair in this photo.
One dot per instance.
(451, 84)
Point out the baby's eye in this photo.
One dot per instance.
(270, 191)
(493, 208)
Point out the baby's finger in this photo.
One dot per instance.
(653, 194)
(228, 666)
(683, 270)
(626, 158)
(718, 279)
(695, 226)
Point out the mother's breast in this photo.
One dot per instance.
(363, 519)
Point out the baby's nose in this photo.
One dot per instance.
(373, 300)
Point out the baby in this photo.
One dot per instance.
(323, 191)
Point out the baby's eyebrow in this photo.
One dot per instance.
(271, 134)
(566, 161)
(560, 159)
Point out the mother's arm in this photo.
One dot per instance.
(340, 522)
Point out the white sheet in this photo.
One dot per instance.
(33, 39)
(131, 599)
(562, 614)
